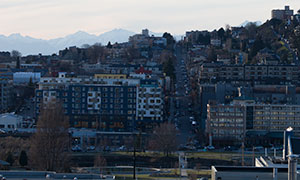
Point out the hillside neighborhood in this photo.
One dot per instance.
(212, 104)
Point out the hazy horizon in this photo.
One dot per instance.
(58, 18)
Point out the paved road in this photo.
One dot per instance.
(27, 112)
(182, 99)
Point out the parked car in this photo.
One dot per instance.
(192, 118)
(107, 149)
(76, 148)
(91, 148)
(230, 148)
(122, 148)
(194, 123)
(210, 147)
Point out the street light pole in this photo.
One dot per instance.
(134, 159)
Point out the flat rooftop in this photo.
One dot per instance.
(248, 169)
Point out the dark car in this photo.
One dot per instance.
(106, 149)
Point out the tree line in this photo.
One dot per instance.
(49, 147)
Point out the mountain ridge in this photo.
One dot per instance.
(28, 45)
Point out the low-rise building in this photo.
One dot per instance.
(10, 121)
(247, 173)
(26, 77)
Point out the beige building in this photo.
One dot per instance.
(282, 14)
(226, 122)
(232, 121)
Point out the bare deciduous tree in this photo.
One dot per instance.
(164, 138)
(12, 145)
(100, 162)
(49, 145)
(95, 53)
(193, 176)
(15, 54)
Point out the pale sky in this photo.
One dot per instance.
(56, 18)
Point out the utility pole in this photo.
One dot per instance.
(134, 157)
(253, 156)
(243, 154)
(179, 164)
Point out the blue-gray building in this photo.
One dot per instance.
(108, 108)
(109, 104)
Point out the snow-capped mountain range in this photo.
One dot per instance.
(28, 45)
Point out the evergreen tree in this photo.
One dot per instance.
(221, 34)
(170, 40)
(23, 159)
(168, 68)
(30, 83)
(109, 45)
(10, 158)
(18, 66)
(257, 46)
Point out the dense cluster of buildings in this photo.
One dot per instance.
(234, 110)
(107, 92)
(245, 97)
(122, 87)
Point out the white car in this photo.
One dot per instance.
(76, 148)
(210, 147)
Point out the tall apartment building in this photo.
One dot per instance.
(233, 121)
(226, 122)
(105, 104)
(282, 14)
(223, 93)
(5, 94)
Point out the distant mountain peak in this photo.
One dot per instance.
(118, 29)
(244, 24)
(15, 35)
(81, 32)
(28, 45)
